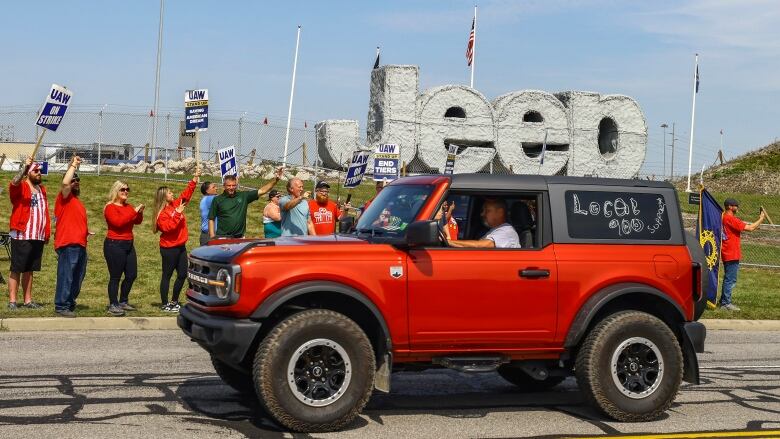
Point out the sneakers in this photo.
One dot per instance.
(12, 306)
(731, 307)
(116, 310)
(65, 313)
(32, 305)
(171, 307)
(126, 306)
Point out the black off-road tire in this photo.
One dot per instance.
(278, 348)
(594, 368)
(240, 381)
(521, 379)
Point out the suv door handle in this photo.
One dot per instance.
(534, 273)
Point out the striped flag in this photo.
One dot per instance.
(470, 46)
(376, 61)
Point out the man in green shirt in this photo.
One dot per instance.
(230, 207)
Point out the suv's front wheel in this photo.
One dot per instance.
(630, 366)
(315, 371)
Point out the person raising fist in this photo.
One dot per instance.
(172, 225)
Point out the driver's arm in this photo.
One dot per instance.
(475, 243)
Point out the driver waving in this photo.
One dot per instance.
(501, 233)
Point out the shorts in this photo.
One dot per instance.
(26, 255)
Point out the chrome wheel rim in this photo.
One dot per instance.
(319, 372)
(637, 367)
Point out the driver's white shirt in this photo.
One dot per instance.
(503, 236)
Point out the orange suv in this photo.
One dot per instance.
(604, 286)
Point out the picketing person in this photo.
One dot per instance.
(70, 241)
(209, 190)
(731, 249)
(30, 229)
(227, 217)
(295, 210)
(272, 216)
(171, 222)
(325, 213)
(118, 248)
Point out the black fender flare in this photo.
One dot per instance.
(280, 297)
(593, 305)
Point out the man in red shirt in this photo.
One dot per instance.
(70, 241)
(731, 251)
(323, 211)
(30, 230)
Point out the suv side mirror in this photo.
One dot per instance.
(422, 234)
(346, 224)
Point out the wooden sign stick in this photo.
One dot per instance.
(767, 216)
(38, 143)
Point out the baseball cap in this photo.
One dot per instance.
(731, 202)
(273, 193)
(322, 184)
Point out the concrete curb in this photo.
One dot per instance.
(88, 323)
(168, 323)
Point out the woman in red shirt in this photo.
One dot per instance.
(172, 225)
(118, 247)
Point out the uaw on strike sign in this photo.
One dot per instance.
(54, 108)
(227, 161)
(196, 110)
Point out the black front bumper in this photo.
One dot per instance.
(226, 338)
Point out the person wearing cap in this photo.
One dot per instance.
(209, 191)
(30, 230)
(324, 212)
(272, 216)
(70, 241)
(731, 251)
(295, 210)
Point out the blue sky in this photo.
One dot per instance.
(243, 52)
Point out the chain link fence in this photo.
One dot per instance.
(120, 143)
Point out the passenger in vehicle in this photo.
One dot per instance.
(501, 233)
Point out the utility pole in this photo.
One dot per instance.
(664, 126)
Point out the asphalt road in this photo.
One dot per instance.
(158, 384)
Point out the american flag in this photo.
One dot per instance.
(470, 46)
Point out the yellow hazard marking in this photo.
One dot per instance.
(703, 435)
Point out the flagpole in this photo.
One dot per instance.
(157, 83)
(721, 144)
(693, 119)
(292, 93)
(474, 47)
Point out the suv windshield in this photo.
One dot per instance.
(393, 209)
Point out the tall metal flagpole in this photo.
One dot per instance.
(157, 84)
(693, 118)
(292, 93)
(474, 47)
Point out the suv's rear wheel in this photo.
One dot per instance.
(521, 379)
(315, 371)
(240, 381)
(630, 366)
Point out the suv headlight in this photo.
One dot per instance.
(225, 280)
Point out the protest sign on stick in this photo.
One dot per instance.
(196, 116)
(52, 112)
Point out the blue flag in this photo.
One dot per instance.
(709, 229)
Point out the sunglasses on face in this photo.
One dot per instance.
(75, 180)
(125, 189)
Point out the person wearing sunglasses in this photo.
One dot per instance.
(118, 247)
(30, 230)
(272, 216)
(70, 241)
(172, 225)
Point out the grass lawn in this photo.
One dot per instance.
(757, 291)
(145, 294)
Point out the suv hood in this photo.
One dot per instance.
(224, 251)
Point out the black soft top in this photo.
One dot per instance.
(540, 182)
